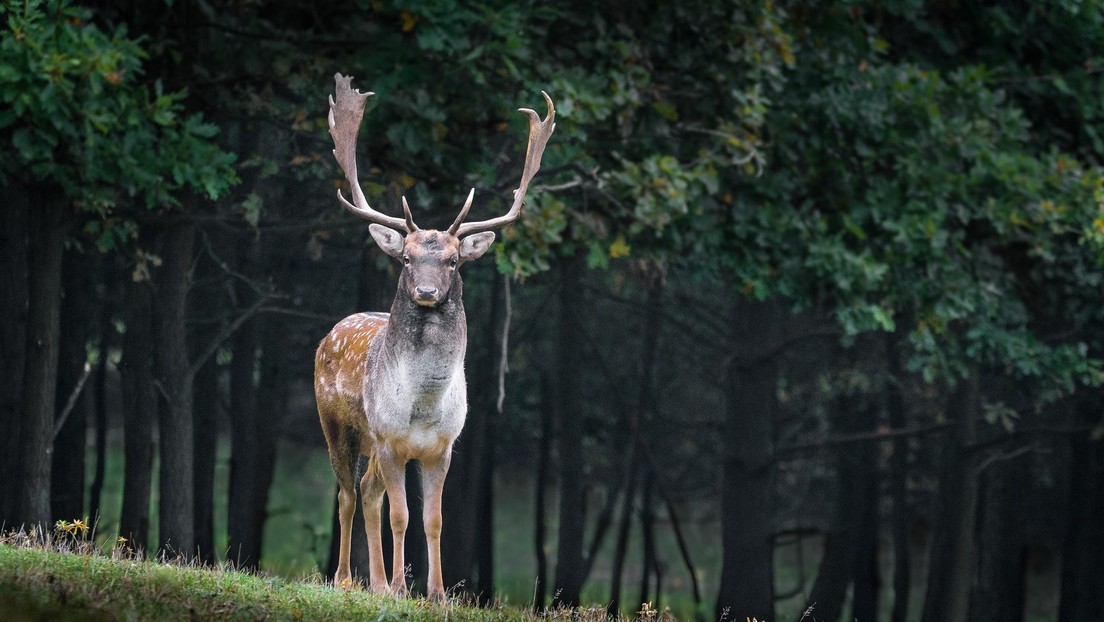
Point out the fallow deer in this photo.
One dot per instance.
(391, 386)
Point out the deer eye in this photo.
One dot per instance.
(453, 263)
(406, 260)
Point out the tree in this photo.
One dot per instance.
(70, 90)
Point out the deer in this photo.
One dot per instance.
(391, 386)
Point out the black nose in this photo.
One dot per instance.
(426, 292)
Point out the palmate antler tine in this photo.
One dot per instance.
(346, 113)
(539, 133)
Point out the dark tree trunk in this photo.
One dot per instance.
(568, 581)
(644, 405)
(851, 538)
(176, 520)
(1082, 599)
(206, 442)
(747, 574)
(99, 418)
(650, 564)
(621, 546)
(13, 342)
(951, 570)
(108, 342)
(998, 593)
(484, 535)
(67, 470)
(866, 580)
(898, 490)
(40, 374)
(544, 460)
(466, 501)
(257, 412)
(139, 410)
(95, 494)
(242, 539)
(271, 410)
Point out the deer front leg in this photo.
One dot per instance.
(371, 499)
(394, 478)
(433, 485)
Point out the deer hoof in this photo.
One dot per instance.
(436, 595)
(345, 584)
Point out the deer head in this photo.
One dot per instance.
(429, 257)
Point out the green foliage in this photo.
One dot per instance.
(80, 118)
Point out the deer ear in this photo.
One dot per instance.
(473, 246)
(388, 239)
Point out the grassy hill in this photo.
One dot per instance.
(39, 582)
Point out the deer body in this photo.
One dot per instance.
(391, 386)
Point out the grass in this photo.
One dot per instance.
(66, 578)
(300, 511)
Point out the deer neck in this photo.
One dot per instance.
(428, 342)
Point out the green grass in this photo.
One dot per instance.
(45, 582)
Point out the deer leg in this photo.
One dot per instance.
(371, 499)
(394, 478)
(433, 484)
(344, 465)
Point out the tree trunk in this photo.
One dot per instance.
(544, 461)
(139, 410)
(40, 374)
(851, 537)
(568, 581)
(953, 551)
(13, 342)
(747, 573)
(466, 490)
(67, 470)
(898, 490)
(176, 519)
(621, 547)
(1082, 599)
(271, 409)
(95, 494)
(644, 405)
(206, 443)
(998, 593)
(243, 541)
(650, 562)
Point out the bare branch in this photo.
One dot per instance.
(72, 401)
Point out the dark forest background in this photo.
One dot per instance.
(805, 305)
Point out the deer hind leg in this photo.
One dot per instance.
(371, 499)
(343, 457)
(433, 484)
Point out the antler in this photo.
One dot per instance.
(539, 133)
(346, 114)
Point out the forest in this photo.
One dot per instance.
(803, 317)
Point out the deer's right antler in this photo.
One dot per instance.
(346, 113)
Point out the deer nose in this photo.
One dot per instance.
(426, 291)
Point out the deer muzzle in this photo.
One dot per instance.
(426, 295)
